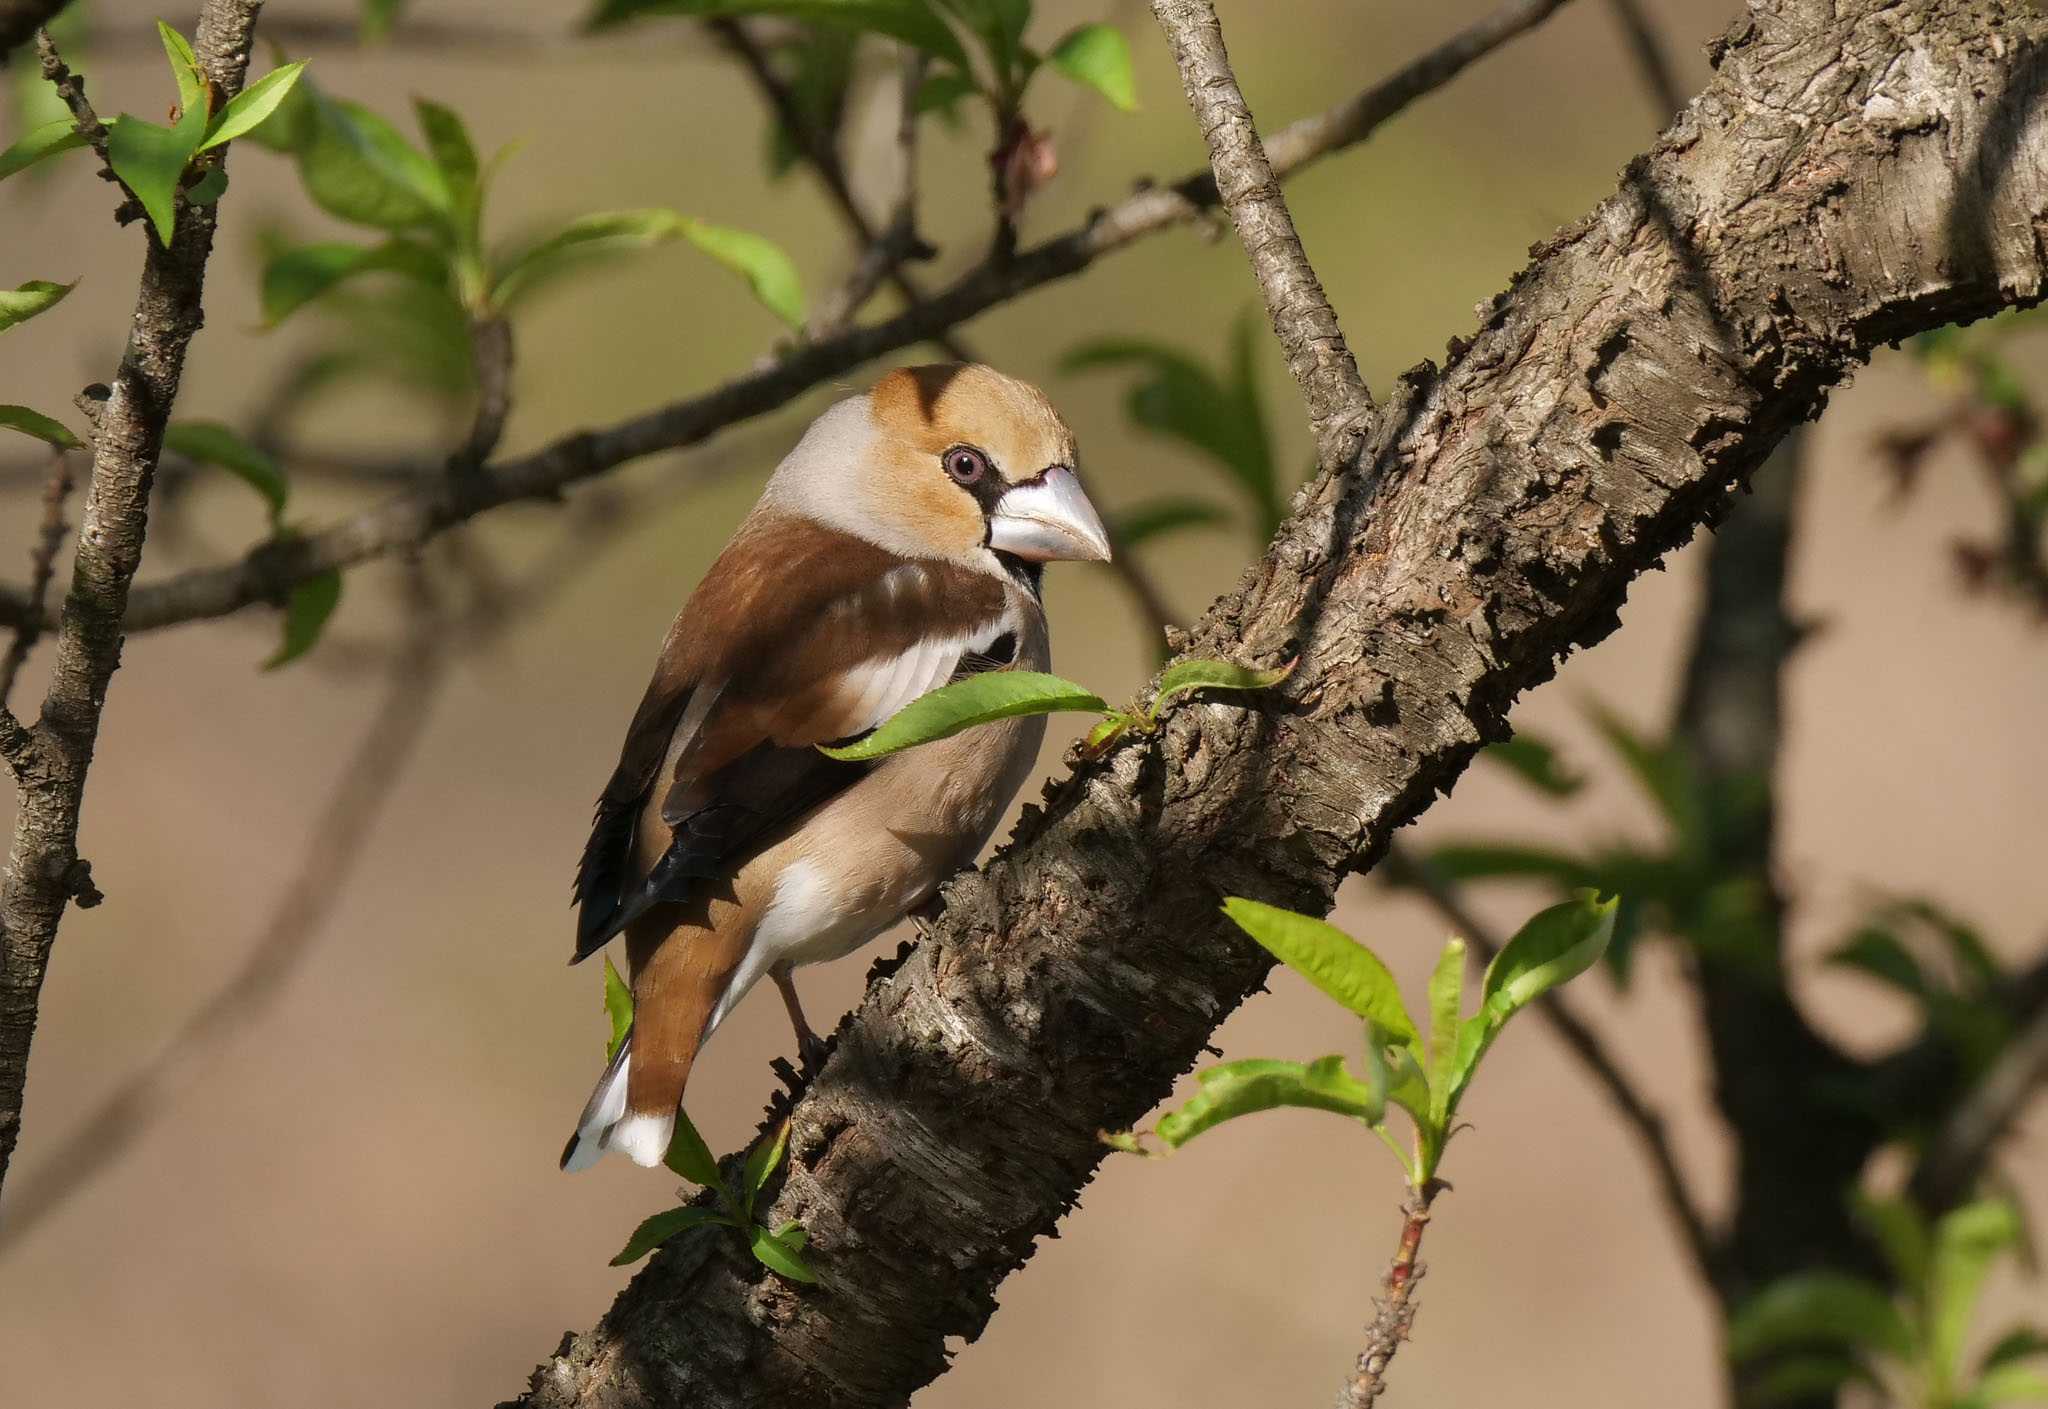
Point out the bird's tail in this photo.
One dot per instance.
(604, 1124)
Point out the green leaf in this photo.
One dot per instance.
(912, 21)
(1096, 56)
(1660, 768)
(211, 443)
(2019, 1343)
(1446, 995)
(690, 1157)
(978, 699)
(208, 188)
(1966, 1242)
(40, 144)
(1879, 953)
(248, 109)
(151, 161)
(2009, 1384)
(378, 18)
(943, 91)
(1535, 762)
(762, 1162)
(35, 423)
(618, 1009)
(449, 145)
(359, 167)
(761, 262)
(36, 296)
(192, 89)
(1234, 1089)
(818, 83)
(1804, 1378)
(306, 612)
(1214, 675)
(1901, 1232)
(780, 1255)
(657, 1230)
(289, 128)
(1155, 518)
(1328, 958)
(1829, 1308)
(1555, 945)
(301, 274)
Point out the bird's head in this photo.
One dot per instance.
(956, 461)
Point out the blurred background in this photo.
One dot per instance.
(346, 1190)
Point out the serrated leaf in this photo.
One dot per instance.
(1241, 1088)
(35, 423)
(1446, 995)
(192, 88)
(689, 1156)
(251, 107)
(36, 296)
(761, 262)
(1214, 675)
(1155, 518)
(151, 161)
(655, 1231)
(1328, 958)
(618, 1009)
(1096, 56)
(912, 21)
(306, 612)
(978, 699)
(1819, 1308)
(40, 144)
(301, 274)
(211, 443)
(1535, 761)
(1556, 944)
(762, 1162)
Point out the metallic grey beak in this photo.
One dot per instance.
(1047, 519)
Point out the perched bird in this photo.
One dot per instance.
(897, 548)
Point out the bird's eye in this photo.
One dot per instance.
(964, 464)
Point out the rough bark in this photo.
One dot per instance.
(1858, 171)
(44, 872)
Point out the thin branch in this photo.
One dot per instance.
(268, 572)
(491, 349)
(886, 252)
(1322, 364)
(1962, 1146)
(1403, 867)
(70, 87)
(42, 568)
(1395, 1314)
(1652, 61)
(44, 871)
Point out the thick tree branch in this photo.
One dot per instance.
(267, 573)
(43, 869)
(1636, 373)
(1299, 310)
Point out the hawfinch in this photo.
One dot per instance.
(897, 548)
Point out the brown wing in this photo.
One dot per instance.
(799, 635)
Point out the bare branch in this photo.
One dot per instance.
(269, 572)
(44, 871)
(1296, 305)
(1395, 1315)
(42, 567)
(491, 348)
(1615, 397)
(1962, 1146)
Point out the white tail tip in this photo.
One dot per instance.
(642, 1139)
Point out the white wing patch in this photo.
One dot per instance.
(876, 689)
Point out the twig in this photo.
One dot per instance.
(1962, 1145)
(491, 349)
(1395, 1315)
(821, 153)
(269, 571)
(1336, 396)
(1653, 63)
(44, 871)
(886, 253)
(42, 567)
(71, 88)
(1403, 867)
